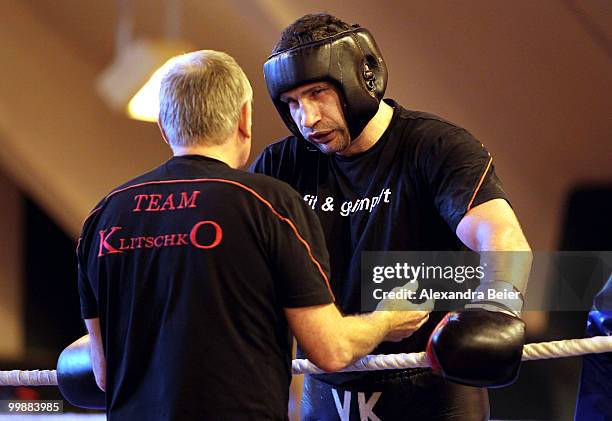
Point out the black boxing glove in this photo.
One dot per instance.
(75, 376)
(481, 345)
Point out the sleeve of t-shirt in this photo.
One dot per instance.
(299, 254)
(89, 303)
(460, 173)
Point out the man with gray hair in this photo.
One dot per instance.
(191, 275)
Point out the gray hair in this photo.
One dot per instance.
(200, 98)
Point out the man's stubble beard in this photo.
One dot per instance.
(341, 142)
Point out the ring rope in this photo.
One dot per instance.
(28, 378)
(534, 351)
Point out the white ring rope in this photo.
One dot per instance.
(28, 378)
(369, 363)
(535, 351)
(567, 348)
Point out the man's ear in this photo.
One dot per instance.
(245, 121)
(163, 132)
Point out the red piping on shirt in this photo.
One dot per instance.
(469, 206)
(242, 186)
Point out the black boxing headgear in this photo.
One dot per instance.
(350, 60)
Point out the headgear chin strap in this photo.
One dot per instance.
(350, 60)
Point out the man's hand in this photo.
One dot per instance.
(333, 341)
(405, 323)
(98, 360)
(405, 317)
(100, 379)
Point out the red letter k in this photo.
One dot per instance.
(104, 243)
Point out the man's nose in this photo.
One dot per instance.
(310, 114)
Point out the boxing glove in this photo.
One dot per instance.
(481, 345)
(75, 376)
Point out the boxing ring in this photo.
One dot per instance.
(534, 351)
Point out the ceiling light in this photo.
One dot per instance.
(131, 83)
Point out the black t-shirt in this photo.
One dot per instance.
(408, 192)
(189, 268)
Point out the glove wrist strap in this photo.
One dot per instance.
(499, 296)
